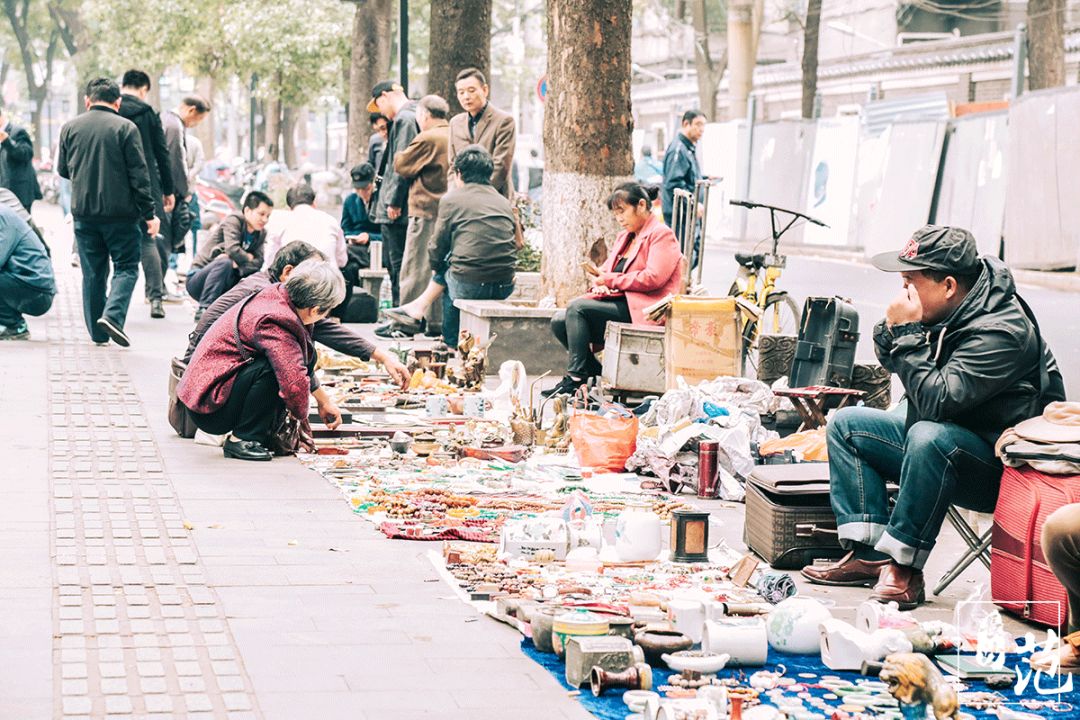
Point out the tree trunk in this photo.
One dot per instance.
(468, 22)
(369, 63)
(37, 113)
(587, 126)
(206, 131)
(740, 30)
(1046, 43)
(260, 124)
(709, 73)
(288, 137)
(272, 121)
(810, 57)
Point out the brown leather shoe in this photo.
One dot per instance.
(848, 571)
(902, 585)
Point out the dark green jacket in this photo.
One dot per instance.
(982, 368)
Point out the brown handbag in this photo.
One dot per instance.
(179, 416)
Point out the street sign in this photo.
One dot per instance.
(542, 88)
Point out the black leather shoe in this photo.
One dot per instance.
(156, 310)
(246, 450)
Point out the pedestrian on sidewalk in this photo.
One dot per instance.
(112, 205)
(425, 164)
(389, 99)
(134, 88)
(233, 251)
(17, 172)
(258, 362)
(485, 125)
(191, 111)
(359, 229)
(307, 223)
(681, 169)
(27, 284)
(380, 129)
(474, 248)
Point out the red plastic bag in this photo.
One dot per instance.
(604, 442)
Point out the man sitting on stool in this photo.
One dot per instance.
(972, 363)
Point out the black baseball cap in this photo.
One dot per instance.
(362, 175)
(933, 247)
(377, 92)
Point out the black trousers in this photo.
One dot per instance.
(393, 237)
(359, 259)
(213, 280)
(252, 407)
(583, 324)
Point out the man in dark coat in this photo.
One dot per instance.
(972, 362)
(155, 250)
(101, 153)
(16, 162)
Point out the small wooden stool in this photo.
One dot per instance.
(814, 401)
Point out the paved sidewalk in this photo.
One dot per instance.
(146, 576)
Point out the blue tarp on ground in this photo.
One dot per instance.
(610, 706)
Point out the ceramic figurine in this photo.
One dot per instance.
(919, 686)
(843, 647)
(558, 437)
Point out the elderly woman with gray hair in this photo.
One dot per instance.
(258, 360)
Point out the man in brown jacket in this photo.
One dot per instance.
(484, 125)
(425, 165)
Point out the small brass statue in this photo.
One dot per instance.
(919, 686)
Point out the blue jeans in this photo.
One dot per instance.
(208, 283)
(936, 465)
(460, 290)
(98, 242)
(18, 299)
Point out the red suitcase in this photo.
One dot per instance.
(1020, 580)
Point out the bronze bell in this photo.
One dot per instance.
(635, 677)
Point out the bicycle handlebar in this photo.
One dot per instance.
(749, 204)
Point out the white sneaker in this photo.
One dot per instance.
(203, 438)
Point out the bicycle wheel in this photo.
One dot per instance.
(780, 317)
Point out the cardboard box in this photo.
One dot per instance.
(703, 340)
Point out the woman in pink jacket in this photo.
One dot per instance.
(644, 266)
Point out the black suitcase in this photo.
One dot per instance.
(825, 353)
(789, 521)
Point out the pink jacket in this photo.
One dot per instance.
(652, 272)
(269, 326)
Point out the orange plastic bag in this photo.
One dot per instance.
(604, 442)
(809, 443)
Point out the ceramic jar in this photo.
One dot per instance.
(745, 640)
(541, 624)
(688, 616)
(655, 643)
(793, 626)
(575, 623)
(638, 535)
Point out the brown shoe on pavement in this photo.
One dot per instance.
(902, 585)
(848, 571)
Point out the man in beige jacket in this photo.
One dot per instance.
(425, 165)
(484, 125)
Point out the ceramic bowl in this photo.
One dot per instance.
(697, 661)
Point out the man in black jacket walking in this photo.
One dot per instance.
(111, 202)
(16, 166)
(155, 249)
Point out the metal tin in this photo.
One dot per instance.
(708, 450)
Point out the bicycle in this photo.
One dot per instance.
(768, 310)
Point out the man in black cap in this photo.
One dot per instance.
(389, 99)
(360, 228)
(972, 362)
